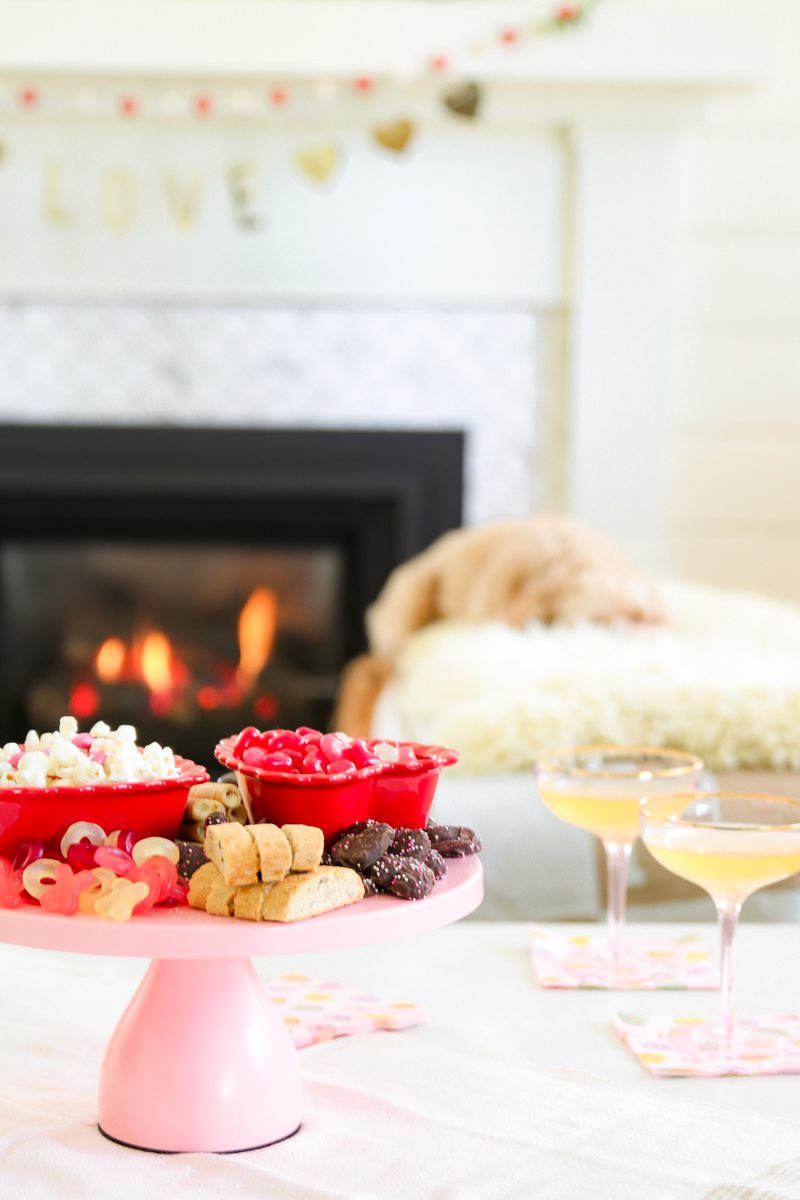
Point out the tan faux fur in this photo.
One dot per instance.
(541, 568)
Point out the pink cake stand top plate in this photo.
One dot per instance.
(189, 933)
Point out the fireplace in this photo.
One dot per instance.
(193, 581)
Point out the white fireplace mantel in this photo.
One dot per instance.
(562, 191)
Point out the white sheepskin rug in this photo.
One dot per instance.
(723, 680)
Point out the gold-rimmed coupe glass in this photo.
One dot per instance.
(731, 844)
(599, 788)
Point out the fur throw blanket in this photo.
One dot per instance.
(720, 678)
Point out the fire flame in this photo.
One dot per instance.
(156, 663)
(257, 622)
(110, 660)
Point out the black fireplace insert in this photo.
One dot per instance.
(192, 581)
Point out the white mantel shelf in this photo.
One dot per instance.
(652, 43)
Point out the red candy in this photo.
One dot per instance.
(314, 763)
(80, 855)
(360, 754)
(333, 746)
(27, 853)
(286, 740)
(341, 766)
(306, 751)
(244, 739)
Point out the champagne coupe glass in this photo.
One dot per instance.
(599, 788)
(731, 844)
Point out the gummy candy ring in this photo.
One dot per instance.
(37, 875)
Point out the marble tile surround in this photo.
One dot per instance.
(302, 368)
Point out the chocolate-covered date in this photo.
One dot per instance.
(435, 863)
(453, 841)
(413, 882)
(192, 857)
(405, 878)
(411, 843)
(361, 850)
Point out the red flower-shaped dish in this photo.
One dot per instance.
(404, 791)
(399, 793)
(331, 802)
(152, 808)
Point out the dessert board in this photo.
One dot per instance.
(201, 1060)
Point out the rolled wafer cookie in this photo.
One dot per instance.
(227, 794)
(198, 807)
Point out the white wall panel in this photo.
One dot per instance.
(742, 482)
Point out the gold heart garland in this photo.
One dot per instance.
(317, 162)
(394, 136)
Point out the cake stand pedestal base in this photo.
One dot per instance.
(200, 1061)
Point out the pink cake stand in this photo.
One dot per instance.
(201, 1059)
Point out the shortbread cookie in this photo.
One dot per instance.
(311, 893)
(233, 851)
(220, 899)
(201, 884)
(274, 852)
(307, 843)
(249, 901)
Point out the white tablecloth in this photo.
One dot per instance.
(508, 1091)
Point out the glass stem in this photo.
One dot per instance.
(728, 917)
(617, 856)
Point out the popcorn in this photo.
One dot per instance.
(67, 727)
(111, 756)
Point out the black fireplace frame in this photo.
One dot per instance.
(383, 496)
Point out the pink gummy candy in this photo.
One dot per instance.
(10, 885)
(83, 741)
(116, 860)
(144, 874)
(99, 756)
(63, 895)
(14, 759)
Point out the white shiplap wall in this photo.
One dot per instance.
(736, 450)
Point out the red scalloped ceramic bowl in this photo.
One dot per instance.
(400, 794)
(154, 808)
(331, 802)
(404, 791)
